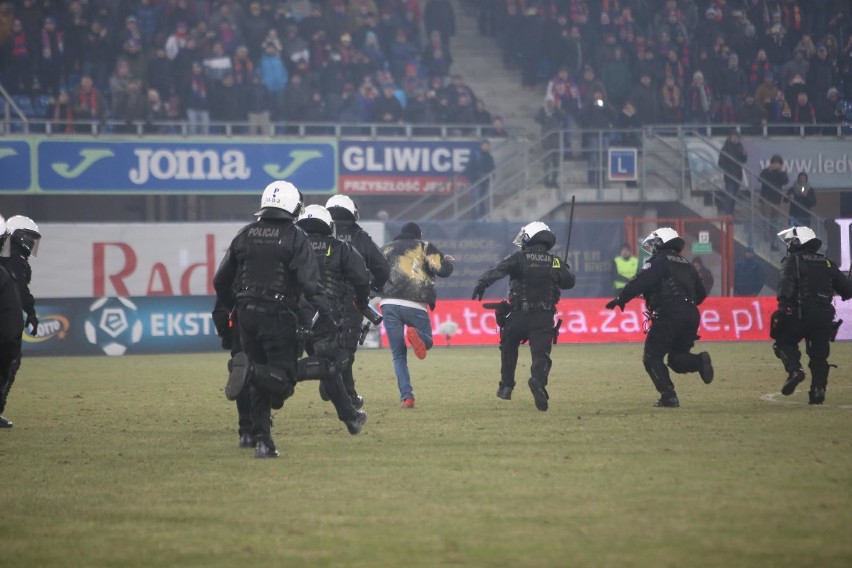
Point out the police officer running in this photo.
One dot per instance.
(535, 278)
(344, 213)
(345, 281)
(672, 290)
(266, 268)
(807, 284)
(18, 242)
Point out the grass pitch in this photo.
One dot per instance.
(133, 461)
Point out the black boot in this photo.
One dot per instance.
(668, 400)
(240, 369)
(247, 441)
(539, 394)
(706, 369)
(504, 392)
(5, 423)
(795, 377)
(816, 395)
(356, 424)
(265, 449)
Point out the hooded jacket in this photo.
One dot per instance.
(414, 264)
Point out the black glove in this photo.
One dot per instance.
(33, 321)
(227, 341)
(617, 301)
(478, 292)
(361, 304)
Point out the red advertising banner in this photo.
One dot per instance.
(586, 320)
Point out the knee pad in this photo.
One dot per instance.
(313, 368)
(277, 383)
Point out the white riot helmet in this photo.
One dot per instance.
(316, 219)
(2, 228)
(535, 232)
(24, 232)
(797, 236)
(663, 238)
(280, 199)
(342, 208)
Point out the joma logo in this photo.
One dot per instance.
(189, 165)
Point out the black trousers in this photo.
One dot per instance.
(673, 332)
(10, 361)
(332, 382)
(243, 404)
(535, 326)
(816, 328)
(349, 334)
(268, 337)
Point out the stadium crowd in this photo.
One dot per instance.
(750, 62)
(149, 61)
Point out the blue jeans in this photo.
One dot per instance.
(395, 320)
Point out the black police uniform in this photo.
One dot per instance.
(672, 290)
(535, 279)
(17, 269)
(350, 232)
(345, 281)
(268, 265)
(807, 285)
(18, 266)
(11, 327)
(227, 328)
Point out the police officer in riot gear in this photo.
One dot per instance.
(535, 279)
(672, 290)
(345, 215)
(268, 265)
(18, 242)
(11, 327)
(345, 281)
(806, 287)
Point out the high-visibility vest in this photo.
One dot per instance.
(626, 268)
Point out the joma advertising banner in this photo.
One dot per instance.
(150, 165)
(373, 167)
(180, 324)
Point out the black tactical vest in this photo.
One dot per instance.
(264, 251)
(678, 284)
(814, 287)
(536, 289)
(328, 252)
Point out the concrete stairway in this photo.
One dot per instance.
(477, 59)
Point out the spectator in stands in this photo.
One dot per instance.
(88, 103)
(792, 90)
(20, 61)
(177, 40)
(51, 62)
(780, 112)
(60, 112)
(217, 64)
(155, 113)
(273, 73)
(136, 63)
(772, 179)
(732, 158)
(822, 74)
(435, 59)
(497, 128)
(759, 69)
(765, 95)
(703, 273)
(829, 110)
(130, 106)
(699, 101)
(750, 113)
(799, 65)
(258, 104)
(671, 102)
(802, 200)
(196, 97)
(148, 15)
(479, 170)
(732, 80)
(481, 115)
(552, 120)
(597, 118)
(295, 100)
(748, 274)
(7, 18)
(645, 100)
(402, 54)
(438, 15)
(227, 103)
(616, 77)
(119, 82)
(530, 38)
(803, 111)
(159, 71)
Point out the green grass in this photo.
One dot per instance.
(133, 461)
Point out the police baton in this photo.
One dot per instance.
(570, 226)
